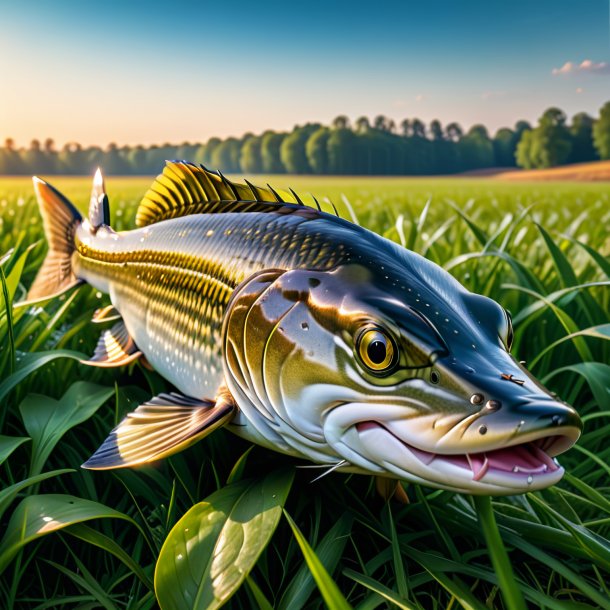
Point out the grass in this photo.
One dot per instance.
(76, 539)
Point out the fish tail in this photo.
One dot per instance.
(60, 219)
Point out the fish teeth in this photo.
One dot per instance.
(479, 467)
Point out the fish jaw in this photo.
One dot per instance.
(408, 447)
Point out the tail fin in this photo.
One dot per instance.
(60, 219)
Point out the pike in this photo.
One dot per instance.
(304, 333)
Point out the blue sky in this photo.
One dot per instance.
(151, 72)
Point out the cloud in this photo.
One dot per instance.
(420, 97)
(585, 67)
(579, 89)
(490, 95)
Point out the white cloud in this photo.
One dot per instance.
(586, 66)
(490, 95)
(420, 97)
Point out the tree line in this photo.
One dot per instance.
(364, 147)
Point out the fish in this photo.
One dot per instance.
(303, 332)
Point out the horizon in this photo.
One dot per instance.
(140, 74)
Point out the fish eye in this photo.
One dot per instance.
(376, 350)
(510, 334)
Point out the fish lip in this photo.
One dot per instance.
(533, 456)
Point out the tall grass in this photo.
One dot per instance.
(73, 538)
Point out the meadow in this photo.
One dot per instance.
(72, 538)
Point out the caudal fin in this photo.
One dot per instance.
(60, 219)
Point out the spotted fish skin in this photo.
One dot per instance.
(305, 333)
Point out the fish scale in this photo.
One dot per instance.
(165, 277)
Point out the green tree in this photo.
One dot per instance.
(341, 157)
(35, 159)
(211, 145)
(341, 122)
(12, 162)
(251, 160)
(601, 132)
(270, 152)
(317, 151)
(436, 130)
(136, 160)
(454, 132)
(292, 150)
(549, 144)
(504, 153)
(362, 124)
(225, 157)
(418, 128)
(581, 131)
(476, 149)
(114, 161)
(383, 123)
(523, 155)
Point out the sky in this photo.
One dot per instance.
(152, 72)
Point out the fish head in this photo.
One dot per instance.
(399, 371)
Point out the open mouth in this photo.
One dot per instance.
(522, 460)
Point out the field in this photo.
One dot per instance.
(79, 539)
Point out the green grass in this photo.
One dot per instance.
(77, 539)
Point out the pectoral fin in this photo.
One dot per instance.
(164, 425)
(115, 347)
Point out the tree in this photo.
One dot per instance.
(405, 128)
(35, 159)
(270, 152)
(317, 152)
(210, 147)
(362, 124)
(225, 156)
(383, 123)
(454, 132)
(341, 158)
(115, 162)
(504, 153)
(549, 144)
(136, 160)
(292, 150)
(436, 130)
(581, 131)
(12, 162)
(341, 122)
(251, 160)
(601, 132)
(418, 128)
(523, 155)
(476, 149)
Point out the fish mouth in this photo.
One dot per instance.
(526, 465)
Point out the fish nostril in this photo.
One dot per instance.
(434, 377)
(477, 399)
(483, 429)
(493, 405)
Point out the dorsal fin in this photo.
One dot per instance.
(99, 212)
(187, 188)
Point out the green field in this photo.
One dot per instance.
(80, 539)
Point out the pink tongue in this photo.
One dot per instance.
(522, 458)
